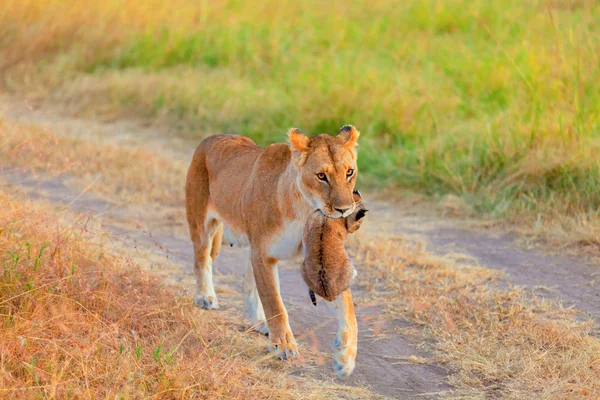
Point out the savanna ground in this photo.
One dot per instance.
(484, 109)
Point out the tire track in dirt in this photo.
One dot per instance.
(575, 281)
(381, 348)
(570, 279)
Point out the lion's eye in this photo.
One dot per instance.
(349, 173)
(322, 177)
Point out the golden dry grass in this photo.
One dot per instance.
(79, 322)
(135, 175)
(499, 342)
(145, 341)
(493, 102)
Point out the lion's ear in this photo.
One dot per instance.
(349, 136)
(298, 141)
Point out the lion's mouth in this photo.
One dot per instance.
(330, 213)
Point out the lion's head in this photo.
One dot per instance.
(327, 169)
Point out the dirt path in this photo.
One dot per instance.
(382, 360)
(381, 348)
(575, 281)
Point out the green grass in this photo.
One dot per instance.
(496, 102)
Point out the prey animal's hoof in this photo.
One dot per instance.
(207, 302)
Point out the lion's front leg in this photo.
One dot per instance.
(346, 339)
(255, 308)
(283, 344)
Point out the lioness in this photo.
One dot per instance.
(262, 197)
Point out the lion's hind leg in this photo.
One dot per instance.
(205, 230)
(203, 260)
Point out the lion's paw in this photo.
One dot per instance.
(343, 366)
(207, 302)
(283, 352)
(344, 357)
(283, 345)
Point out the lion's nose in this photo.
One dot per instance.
(342, 210)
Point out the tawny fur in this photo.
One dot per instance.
(263, 198)
(327, 269)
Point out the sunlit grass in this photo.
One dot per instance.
(79, 321)
(499, 342)
(104, 168)
(496, 102)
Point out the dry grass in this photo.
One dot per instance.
(136, 175)
(500, 342)
(78, 322)
(493, 102)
